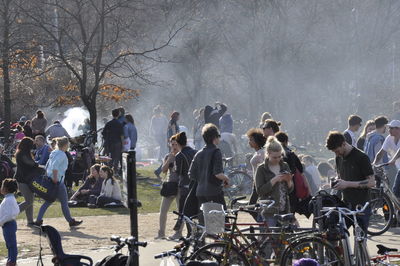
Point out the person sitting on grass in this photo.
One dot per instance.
(9, 211)
(110, 190)
(92, 186)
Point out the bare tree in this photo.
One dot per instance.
(99, 42)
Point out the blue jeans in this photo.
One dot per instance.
(396, 186)
(62, 196)
(10, 237)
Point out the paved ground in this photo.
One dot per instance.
(148, 228)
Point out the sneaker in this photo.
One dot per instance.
(92, 206)
(75, 222)
(160, 237)
(175, 237)
(38, 223)
(30, 224)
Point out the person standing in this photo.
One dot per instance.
(270, 127)
(212, 115)
(130, 133)
(368, 128)
(39, 123)
(173, 127)
(376, 138)
(198, 124)
(226, 123)
(183, 159)
(113, 134)
(56, 130)
(390, 147)
(55, 169)
(207, 169)
(27, 168)
(354, 122)
(8, 213)
(168, 167)
(257, 142)
(355, 174)
(158, 126)
(274, 180)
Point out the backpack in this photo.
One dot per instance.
(301, 188)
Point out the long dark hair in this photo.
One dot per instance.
(96, 167)
(110, 173)
(129, 118)
(25, 146)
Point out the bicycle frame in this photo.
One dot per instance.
(350, 257)
(385, 186)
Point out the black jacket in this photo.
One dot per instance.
(27, 168)
(183, 161)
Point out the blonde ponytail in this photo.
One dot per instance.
(273, 145)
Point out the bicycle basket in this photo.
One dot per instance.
(214, 217)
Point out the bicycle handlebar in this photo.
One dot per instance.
(344, 211)
(130, 241)
(168, 253)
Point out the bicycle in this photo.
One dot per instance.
(240, 182)
(383, 204)
(321, 247)
(385, 257)
(242, 248)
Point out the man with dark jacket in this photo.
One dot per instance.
(113, 134)
(207, 169)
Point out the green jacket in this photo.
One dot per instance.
(265, 190)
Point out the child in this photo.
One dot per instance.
(8, 213)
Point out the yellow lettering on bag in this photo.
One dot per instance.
(39, 187)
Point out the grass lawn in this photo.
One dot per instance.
(148, 193)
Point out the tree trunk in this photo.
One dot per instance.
(6, 73)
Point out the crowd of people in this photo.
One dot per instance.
(195, 171)
(45, 151)
(274, 166)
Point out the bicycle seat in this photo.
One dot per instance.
(382, 250)
(284, 218)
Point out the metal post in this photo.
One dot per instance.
(133, 203)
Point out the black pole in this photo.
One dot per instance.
(133, 203)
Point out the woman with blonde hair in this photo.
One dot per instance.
(274, 180)
(55, 169)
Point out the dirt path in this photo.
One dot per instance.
(93, 233)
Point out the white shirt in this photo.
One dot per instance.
(313, 171)
(111, 190)
(391, 148)
(353, 137)
(9, 209)
(230, 138)
(257, 159)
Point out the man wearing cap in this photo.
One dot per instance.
(391, 146)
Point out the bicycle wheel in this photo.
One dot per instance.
(382, 213)
(218, 252)
(313, 248)
(361, 255)
(240, 184)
